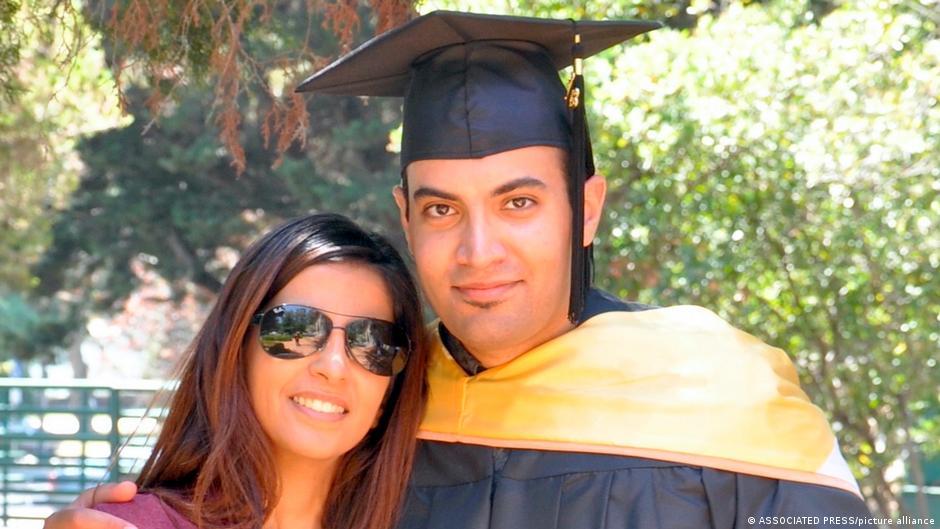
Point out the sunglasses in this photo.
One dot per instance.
(297, 331)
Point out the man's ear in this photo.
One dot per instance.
(398, 192)
(595, 190)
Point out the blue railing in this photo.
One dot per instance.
(57, 439)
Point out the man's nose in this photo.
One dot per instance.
(331, 362)
(480, 243)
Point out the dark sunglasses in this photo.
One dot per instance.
(296, 331)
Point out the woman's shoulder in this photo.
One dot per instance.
(147, 511)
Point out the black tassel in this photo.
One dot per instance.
(581, 166)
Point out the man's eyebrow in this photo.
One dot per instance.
(430, 192)
(512, 185)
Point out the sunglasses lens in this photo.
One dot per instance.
(377, 346)
(296, 331)
(293, 331)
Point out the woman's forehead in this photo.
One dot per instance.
(344, 287)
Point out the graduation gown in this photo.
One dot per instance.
(640, 417)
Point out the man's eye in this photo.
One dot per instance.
(520, 203)
(439, 210)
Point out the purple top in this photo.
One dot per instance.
(147, 511)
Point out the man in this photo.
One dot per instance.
(552, 404)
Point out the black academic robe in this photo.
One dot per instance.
(460, 486)
(473, 473)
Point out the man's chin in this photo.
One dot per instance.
(485, 328)
(483, 305)
(489, 297)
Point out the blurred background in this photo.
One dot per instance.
(775, 161)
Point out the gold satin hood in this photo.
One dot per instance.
(676, 384)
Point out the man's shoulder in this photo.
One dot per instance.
(680, 320)
(600, 302)
(147, 511)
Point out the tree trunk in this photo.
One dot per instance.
(79, 367)
(914, 464)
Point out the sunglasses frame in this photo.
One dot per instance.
(398, 362)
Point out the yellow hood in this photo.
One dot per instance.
(676, 384)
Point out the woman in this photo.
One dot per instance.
(300, 397)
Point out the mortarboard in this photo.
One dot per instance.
(475, 85)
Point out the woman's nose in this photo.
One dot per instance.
(331, 361)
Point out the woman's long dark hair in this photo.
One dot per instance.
(212, 461)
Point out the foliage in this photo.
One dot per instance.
(162, 195)
(230, 44)
(31, 330)
(787, 177)
(53, 87)
(18, 320)
(68, 95)
(676, 14)
(9, 50)
(158, 193)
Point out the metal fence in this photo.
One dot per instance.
(58, 439)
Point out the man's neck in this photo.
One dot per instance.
(597, 302)
(493, 358)
(475, 361)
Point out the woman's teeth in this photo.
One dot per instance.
(319, 405)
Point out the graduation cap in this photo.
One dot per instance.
(475, 85)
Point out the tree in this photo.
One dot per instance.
(254, 48)
(162, 194)
(57, 90)
(53, 87)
